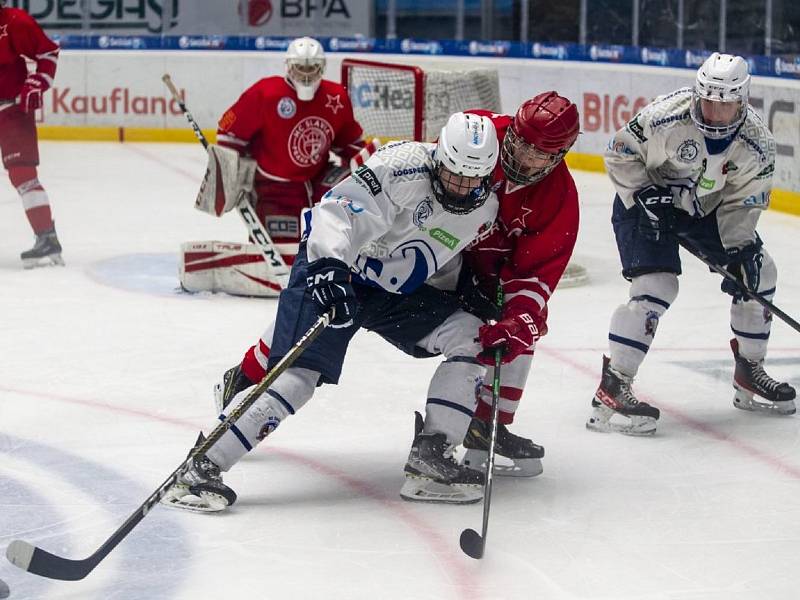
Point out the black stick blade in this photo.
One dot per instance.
(472, 543)
(40, 562)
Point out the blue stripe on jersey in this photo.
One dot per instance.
(628, 342)
(649, 298)
(239, 435)
(451, 405)
(282, 400)
(751, 336)
(770, 292)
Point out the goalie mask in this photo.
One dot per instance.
(720, 96)
(305, 64)
(543, 130)
(465, 157)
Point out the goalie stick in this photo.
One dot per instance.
(747, 292)
(473, 543)
(257, 232)
(33, 559)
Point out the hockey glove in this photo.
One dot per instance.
(656, 212)
(30, 96)
(473, 299)
(328, 282)
(514, 334)
(745, 264)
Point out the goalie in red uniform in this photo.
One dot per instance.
(21, 93)
(287, 125)
(526, 252)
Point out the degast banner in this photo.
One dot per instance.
(206, 17)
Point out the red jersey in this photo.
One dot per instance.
(21, 38)
(533, 237)
(290, 138)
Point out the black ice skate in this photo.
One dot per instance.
(45, 247)
(200, 487)
(750, 380)
(233, 382)
(616, 407)
(524, 456)
(433, 475)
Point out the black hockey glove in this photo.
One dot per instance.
(473, 299)
(656, 212)
(745, 264)
(328, 282)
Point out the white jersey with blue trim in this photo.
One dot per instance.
(385, 222)
(661, 145)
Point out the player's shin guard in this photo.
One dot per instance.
(633, 325)
(290, 391)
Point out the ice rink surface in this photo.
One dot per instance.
(107, 374)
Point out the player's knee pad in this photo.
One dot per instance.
(634, 325)
(455, 337)
(23, 177)
(750, 322)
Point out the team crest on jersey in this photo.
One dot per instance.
(286, 107)
(422, 213)
(688, 151)
(309, 141)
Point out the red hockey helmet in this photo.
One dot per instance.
(541, 133)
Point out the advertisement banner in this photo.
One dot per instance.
(192, 17)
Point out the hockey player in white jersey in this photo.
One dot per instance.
(367, 250)
(695, 164)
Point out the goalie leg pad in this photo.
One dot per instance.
(236, 269)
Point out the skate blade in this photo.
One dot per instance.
(32, 263)
(605, 420)
(746, 401)
(179, 497)
(504, 466)
(420, 489)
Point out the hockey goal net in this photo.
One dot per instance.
(395, 101)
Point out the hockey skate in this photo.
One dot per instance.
(525, 456)
(433, 475)
(758, 392)
(615, 407)
(45, 247)
(233, 382)
(200, 487)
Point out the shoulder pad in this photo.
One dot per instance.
(407, 161)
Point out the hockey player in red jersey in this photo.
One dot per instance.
(527, 252)
(288, 124)
(21, 93)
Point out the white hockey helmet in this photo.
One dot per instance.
(465, 157)
(720, 96)
(305, 65)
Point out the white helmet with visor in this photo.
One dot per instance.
(720, 96)
(466, 154)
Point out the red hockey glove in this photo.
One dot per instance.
(515, 334)
(30, 96)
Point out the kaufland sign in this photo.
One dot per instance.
(194, 17)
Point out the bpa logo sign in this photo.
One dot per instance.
(259, 12)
